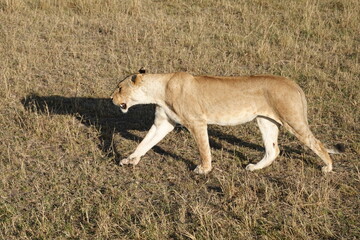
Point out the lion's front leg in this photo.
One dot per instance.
(161, 127)
(135, 157)
(200, 133)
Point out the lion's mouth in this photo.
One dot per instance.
(123, 106)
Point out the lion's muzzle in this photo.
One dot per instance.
(123, 106)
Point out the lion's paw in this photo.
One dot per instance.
(130, 161)
(201, 170)
(326, 169)
(250, 167)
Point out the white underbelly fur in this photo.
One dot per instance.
(219, 119)
(232, 119)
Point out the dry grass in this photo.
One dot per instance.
(62, 139)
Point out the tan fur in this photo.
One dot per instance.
(196, 101)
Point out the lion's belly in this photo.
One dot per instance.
(231, 119)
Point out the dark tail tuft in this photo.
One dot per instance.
(340, 147)
(337, 149)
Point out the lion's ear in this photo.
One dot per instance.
(142, 70)
(136, 79)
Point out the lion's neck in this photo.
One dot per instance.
(154, 86)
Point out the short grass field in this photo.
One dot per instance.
(62, 138)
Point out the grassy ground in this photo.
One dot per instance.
(61, 138)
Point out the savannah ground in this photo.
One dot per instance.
(62, 139)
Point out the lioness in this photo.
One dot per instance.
(196, 101)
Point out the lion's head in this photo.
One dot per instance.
(128, 92)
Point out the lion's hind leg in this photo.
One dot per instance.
(270, 131)
(304, 134)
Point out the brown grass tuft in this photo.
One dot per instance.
(62, 138)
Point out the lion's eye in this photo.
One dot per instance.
(119, 89)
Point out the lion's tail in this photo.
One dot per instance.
(337, 149)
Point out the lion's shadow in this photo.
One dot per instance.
(96, 112)
(108, 120)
